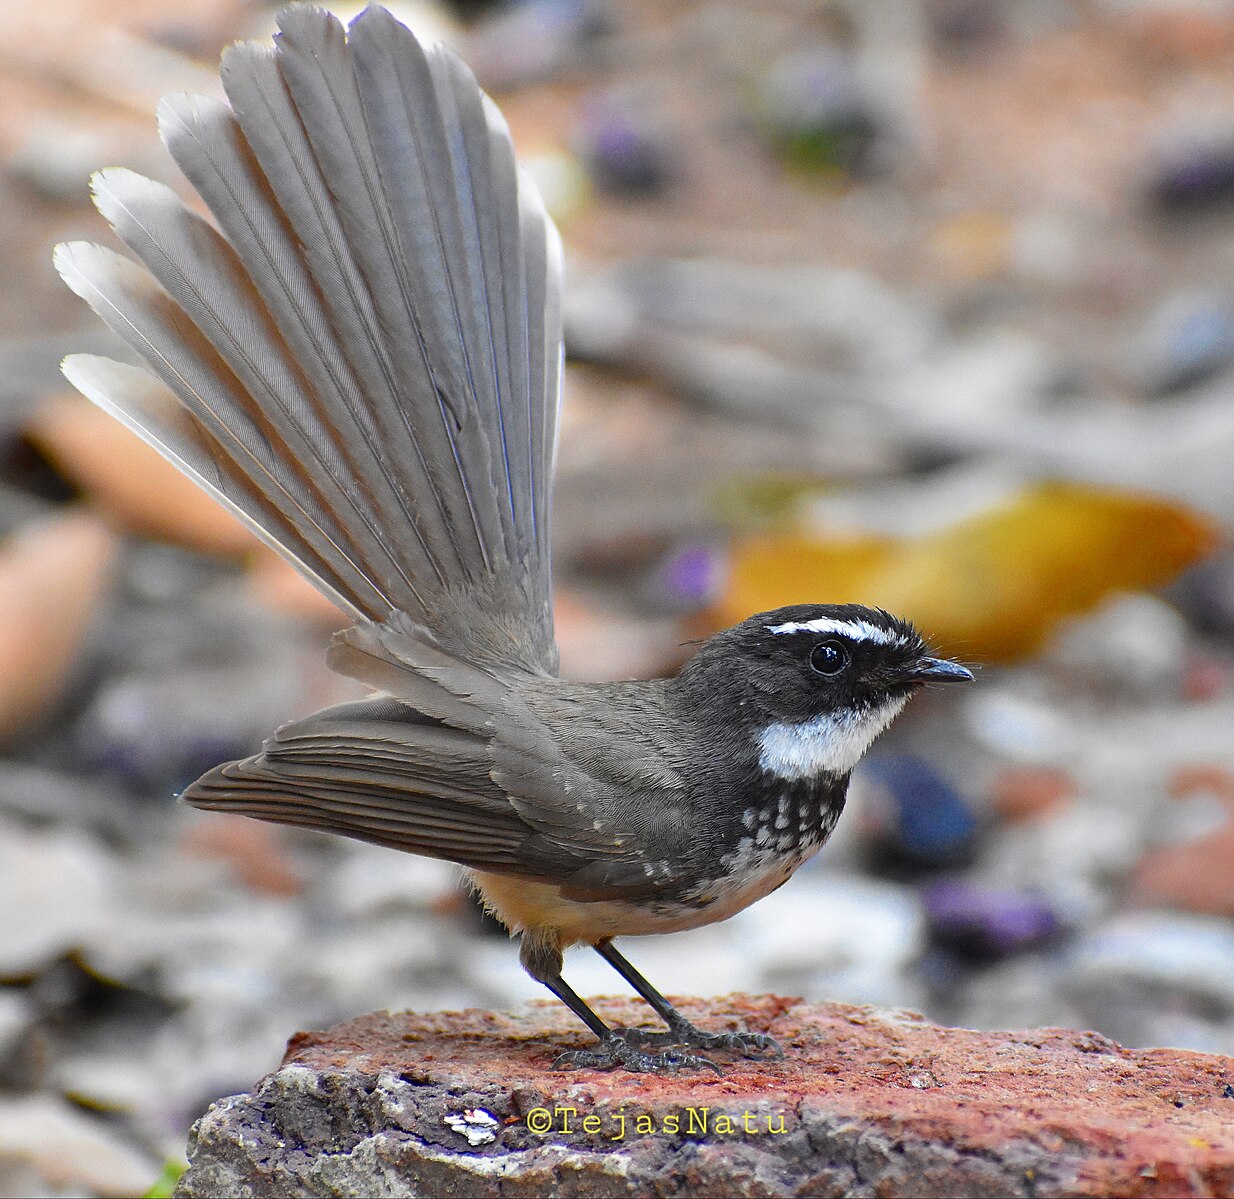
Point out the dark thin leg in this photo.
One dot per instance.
(571, 998)
(543, 962)
(665, 1010)
(680, 1030)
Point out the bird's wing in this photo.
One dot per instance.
(366, 341)
(592, 768)
(378, 771)
(494, 793)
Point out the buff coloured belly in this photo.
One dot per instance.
(520, 903)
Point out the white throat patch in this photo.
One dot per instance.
(832, 742)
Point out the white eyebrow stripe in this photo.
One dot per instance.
(854, 630)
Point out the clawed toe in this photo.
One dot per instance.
(748, 1044)
(629, 1049)
(618, 1053)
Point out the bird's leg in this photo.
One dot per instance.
(680, 1030)
(543, 963)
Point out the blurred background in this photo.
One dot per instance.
(922, 303)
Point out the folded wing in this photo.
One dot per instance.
(507, 800)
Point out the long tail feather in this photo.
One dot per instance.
(368, 339)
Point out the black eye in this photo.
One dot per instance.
(829, 657)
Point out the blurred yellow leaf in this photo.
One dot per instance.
(972, 245)
(987, 588)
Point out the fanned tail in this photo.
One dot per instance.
(367, 341)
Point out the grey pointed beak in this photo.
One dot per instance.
(939, 670)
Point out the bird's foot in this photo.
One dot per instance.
(621, 1053)
(747, 1044)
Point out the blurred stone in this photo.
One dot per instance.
(865, 1100)
(30, 366)
(757, 343)
(712, 959)
(1185, 35)
(1129, 972)
(913, 819)
(57, 157)
(1132, 644)
(598, 643)
(973, 246)
(1205, 680)
(176, 611)
(369, 880)
(1196, 877)
(819, 116)
(160, 730)
(986, 923)
(1188, 339)
(562, 181)
(35, 494)
(1020, 728)
(1018, 992)
(838, 932)
(254, 851)
(157, 575)
(1194, 869)
(846, 319)
(1193, 173)
(19, 1047)
(53, 576)
(56, 891)
(1074, 856)
(133, 484)
(626, 153)
(490, 971)
(395, 959)
(112, 1079)
(915, 506)
(1051, 248)
(1026, 792)
(469, 10)
(1202, 778)
(686, 579)
(56, 1149)
(183, 921)
(98, 52)
(1144, 746)
(1206, 593)
(42, 795)
(985, 378)
(276, 584)
(530, 40)
(966, 29)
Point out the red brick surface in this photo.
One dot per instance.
(870, 1102)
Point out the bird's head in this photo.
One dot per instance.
(812, 684)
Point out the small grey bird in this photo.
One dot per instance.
(362, 359)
